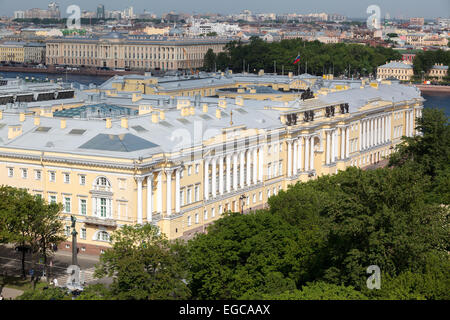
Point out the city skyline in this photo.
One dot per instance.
(354, 9)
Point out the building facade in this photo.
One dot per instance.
(21, 52)
(181, 163)
(401, 70)
(135, 52)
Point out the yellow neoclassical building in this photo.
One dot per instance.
(181, 162)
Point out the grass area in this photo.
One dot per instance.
(15, 282)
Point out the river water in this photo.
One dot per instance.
(433, 100)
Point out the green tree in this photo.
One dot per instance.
(144, 265)
(209, 60)
(320, 291)
(45, 292)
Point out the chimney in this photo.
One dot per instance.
(22, 117)
(14, 131)
(63, 123)
(218, 113)
(108, 123)
(222, 103)
(239, 101)
(124, 123)
(155, 117)
(205, 107)
(37, 120)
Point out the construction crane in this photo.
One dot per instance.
(187, 60)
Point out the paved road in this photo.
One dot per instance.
(10, 261)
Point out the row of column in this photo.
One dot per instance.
(159, 198)
(375, 131)
(250, 164)
(332, 137)
(409, 123)
(300, 155)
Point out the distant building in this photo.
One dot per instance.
(417, 21)
(19, 14)
(138, 52)
(438, 71)
(101, 11)
(28, 52)
(395, 69)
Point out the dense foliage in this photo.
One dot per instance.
(425, 60)
(339, 58)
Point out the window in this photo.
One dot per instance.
(197, 193)
(52, 176)
(189, 170)
(83, 206)
(189, 195)
(103, 236)
(220, 209)
(67, 202)
(205, 215)
(24, 173)
(67, 231)
(103, 207)
(83, 234)
(82, 179)
(37, 174)
(66, 178)
(254, 198)
(213, 212)
(52, 199)
(102, 181)
(10, 172)
(189, 222)
(281, 147)
(260, 196)
(197, 168)
(196, 218)
(182, 197)
(268, 193)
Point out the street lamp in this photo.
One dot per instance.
(242, 202)
(74, 241)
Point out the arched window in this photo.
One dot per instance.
(102, 236)
(102, 181)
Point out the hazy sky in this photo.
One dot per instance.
(351, 8)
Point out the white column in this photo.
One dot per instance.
(169, 191)
(241, 170)
(390, 128)
(347, 141)
(328, 155)
(343, 144)
(139, 199)
(380, 131)
(159, 197)
(307, 154)
(412, 123)
(295, 167)
(228, 159)
(372, 132)
(300, 158)
(150, 197)
(235, 175)
(333, 146)
(260, 164)
(213, 177)
(311, 161)
(289, 146)
(221, 175)
(206, 179)
(406, 124)
(248, 167)
(177, 190)
(366, 135)
(255, 166)
(359, 136)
